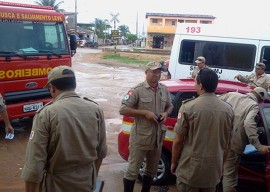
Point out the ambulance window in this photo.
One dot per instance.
(219, 54)
(187, 52)
(265, 58)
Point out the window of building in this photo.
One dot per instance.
(154, 20)
(219, 54)
(181, 20)
(174, 23)
(190, 21)
(205, 22)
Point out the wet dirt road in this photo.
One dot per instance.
(104, 84)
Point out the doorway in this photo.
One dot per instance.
(158, 42)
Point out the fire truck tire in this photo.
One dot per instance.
(163, 173)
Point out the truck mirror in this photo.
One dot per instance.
(73, 44)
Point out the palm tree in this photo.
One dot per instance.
(100, 27)
(51, 3)
(124, 30)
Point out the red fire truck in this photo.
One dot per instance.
(33, 40)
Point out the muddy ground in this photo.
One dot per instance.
(103, 81)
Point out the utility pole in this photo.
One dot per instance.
(137, 25)
(75, 17)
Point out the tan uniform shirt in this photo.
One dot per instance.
(68, 135)
(252, 80)
(245, 108)
(206, 124)
(196, 71)
(145, 134)
(2, 105)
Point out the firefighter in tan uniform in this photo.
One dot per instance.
(257, 79)
(245, 108)
(149, 103)
(202, 137)
(67, 142)
(200, 61)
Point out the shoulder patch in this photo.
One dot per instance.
(187, 100)
(85, 98)
(31, 135)
(179, 116)
(126, 96)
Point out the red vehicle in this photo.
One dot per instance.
(255, 168)
(33, 40)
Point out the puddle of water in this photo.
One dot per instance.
(114, 121)
(100, 100)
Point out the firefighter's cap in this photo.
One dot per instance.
(59, 73)
(153, 65)
(261, 92)
(260, 65)
(200, 60)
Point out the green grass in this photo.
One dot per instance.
(126, 60)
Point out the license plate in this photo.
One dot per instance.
(32, 107)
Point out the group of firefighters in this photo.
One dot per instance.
(68, 140)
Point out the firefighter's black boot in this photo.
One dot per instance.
(128, 185)
(146, 183)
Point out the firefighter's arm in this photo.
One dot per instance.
(8, 127)
(176, 151)
(250, 127)
(4, 115)
(139, 112)
(243, 79)
(180, 129)
(98, 163)
(128, 107)
(268, 82)
(102, 143)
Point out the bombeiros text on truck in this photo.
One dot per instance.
(33, 40)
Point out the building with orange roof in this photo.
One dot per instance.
(161, 27)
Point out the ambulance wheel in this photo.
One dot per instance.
(163, 173)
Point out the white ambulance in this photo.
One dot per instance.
(228, 49)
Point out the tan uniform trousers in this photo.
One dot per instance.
(182, 187)
(135, 159)
(230, 174)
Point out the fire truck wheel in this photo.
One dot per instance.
(163, 173)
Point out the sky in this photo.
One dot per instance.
(133, 11)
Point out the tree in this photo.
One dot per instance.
(51, 3)
(107, 27)
(131, 38)
(124, 30)
(101, 27)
